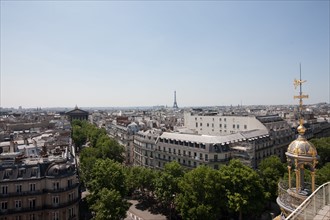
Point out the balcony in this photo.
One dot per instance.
(316, 206)
(288, 199)
(40, 208)
(61, 189)
(23, 193)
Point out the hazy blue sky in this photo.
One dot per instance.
(136, 53)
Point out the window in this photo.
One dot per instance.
(207, 124)
(32, 217)
(32, 187)
(215, 157)
(34, 172)
(4, 190)
(71, 212)
(70, 182)
(7, 174)
(196, 124)
(32, 203)
(195, 119)
(18, 217)
(18, 188)
(179, 152)
(56, 185)
(201, 124)
(224, 119)
(189, 153)
(201, 156)
(174, 151)
(233, 126)
(206, 157)
(245, 126)
(55, 216)
(212, 125)
(18, 204)
(21, 171)
(220, 125)
(71, 196)
(4, 205)
(225, 126)
(219, 119)
(169, 150)
(56, 200)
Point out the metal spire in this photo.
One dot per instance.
(175, 105)
(301, 96)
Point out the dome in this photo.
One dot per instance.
(60, 169)
(302, 147)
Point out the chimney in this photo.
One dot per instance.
(11, 147)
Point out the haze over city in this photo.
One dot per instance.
(111, 53)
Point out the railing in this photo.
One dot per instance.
(39, 208)
(288, 198)
(313, 204)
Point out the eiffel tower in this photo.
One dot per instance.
(175, 105)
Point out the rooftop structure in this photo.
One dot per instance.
(77, 114)
(296, 193)
(38, 177)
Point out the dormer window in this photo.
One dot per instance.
(56, 171)
(8, 172)
(34, 172)
(21, 172)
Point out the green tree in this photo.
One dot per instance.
(243, 188)
(78, 136)
(141, 178)
(201, 194)
(271, 169)
(323, 174)
(87, 157)
(109, 205)
(109, 148)
(108, 174)
(166, 185)
(322, 146)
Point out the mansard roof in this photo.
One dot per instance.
(207, 139)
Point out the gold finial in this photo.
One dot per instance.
(301, 96)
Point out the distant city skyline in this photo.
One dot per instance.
(124, 54)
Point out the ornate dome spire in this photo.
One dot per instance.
(301, 152)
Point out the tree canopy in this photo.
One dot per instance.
(243, 188)
(323, 149)
(201, 194)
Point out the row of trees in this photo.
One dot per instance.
(234, 190)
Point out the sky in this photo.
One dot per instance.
(137, 53)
